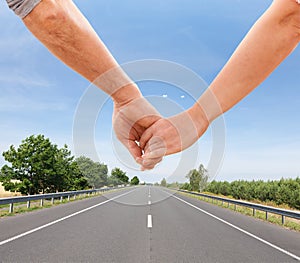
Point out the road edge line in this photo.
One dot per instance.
(241, 230)
(60, 220)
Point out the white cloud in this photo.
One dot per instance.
(23, 104)
(30, 97)
(165, 96)
(20, 79)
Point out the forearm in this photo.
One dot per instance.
(268, 43)
(61, 27)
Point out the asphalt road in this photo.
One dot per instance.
(143, 224)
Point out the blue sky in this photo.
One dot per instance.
(40, 95)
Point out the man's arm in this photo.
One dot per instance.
(22, 7)
(273, 37)
(62, 28)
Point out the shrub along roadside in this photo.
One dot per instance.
(284, 191)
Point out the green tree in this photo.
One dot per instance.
(96, 173)
(135, 181)
(203, 177)
(225, 188)
(118, 177)
(194, 178)
(198, 178)
(66, 175)
(74, 179)
(186, 186)
(163, 182)
(40, 166)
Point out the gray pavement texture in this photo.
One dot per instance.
(115, 228)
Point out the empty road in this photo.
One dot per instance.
(143, 224)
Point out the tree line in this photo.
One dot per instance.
(39, 166)
(284, 191)
(97, 174)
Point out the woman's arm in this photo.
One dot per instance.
(273, 37)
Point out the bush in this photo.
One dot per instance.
(285, 191)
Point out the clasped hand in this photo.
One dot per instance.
(149, 137)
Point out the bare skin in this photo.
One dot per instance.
(273, 37)
(61, 27)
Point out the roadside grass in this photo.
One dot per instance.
(20, 208)
(290, 223)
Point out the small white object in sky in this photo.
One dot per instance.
(182, 96)
(165, 96)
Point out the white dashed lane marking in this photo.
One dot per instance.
(149, 224)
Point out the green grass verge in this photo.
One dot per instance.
(290, 223)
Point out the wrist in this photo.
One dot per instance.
(126, 94)
(199, 118)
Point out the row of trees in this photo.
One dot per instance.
(97, 174)
(284, 191)
(39, 166)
